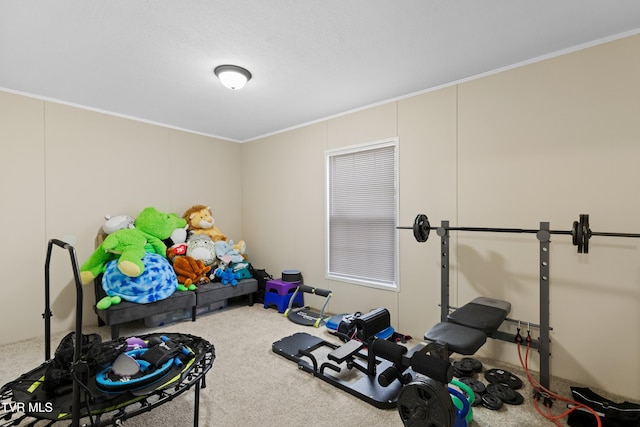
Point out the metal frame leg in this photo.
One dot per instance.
(443, 232)
(544, 236)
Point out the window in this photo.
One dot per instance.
(361, 214)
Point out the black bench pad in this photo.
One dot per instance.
(467, 328)
(478, 316)
(458, 339)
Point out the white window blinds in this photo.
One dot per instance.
(362, 206)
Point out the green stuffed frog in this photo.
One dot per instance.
(129, 245)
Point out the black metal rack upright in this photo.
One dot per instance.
(542, 344)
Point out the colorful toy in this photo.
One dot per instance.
(242, 271)
(178, 242)
(200, 221)
(135, 342)
(226, 253)
(241, 247)
(159, 225)
(226, 276)
(118, 222)
(190, 272)
(129, 245)
(178, 237)
(157, 281)
(200, 246)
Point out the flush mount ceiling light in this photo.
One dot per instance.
(232, 76)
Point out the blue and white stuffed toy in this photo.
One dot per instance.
(157, 282)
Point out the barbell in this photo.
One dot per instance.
(580, 231)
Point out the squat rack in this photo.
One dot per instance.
(542, 344)
(580, 232)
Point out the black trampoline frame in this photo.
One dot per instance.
(122, 410)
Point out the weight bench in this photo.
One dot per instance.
(468, 327)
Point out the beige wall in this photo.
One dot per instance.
(22, 198)
(544, 142)
(284, 185)
(64, 169)
(548, 142)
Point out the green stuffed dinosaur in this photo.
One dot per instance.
(158, 225)
(130, 244)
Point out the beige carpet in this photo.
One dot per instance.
(249, 385)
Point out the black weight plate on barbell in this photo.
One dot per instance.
(492, 402)
(580, 234)
(503, 377)
(421, 228)
(477, 386)
(502, 391)
(517, 400)
(574, 233)
(586, 232)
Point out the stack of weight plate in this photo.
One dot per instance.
(501, 386)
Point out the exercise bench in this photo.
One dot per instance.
(467, 328)
(464, 330)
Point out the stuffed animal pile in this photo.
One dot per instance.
(149, 257)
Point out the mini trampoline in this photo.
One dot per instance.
(174, 363)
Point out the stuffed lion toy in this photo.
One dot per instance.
(200, 220)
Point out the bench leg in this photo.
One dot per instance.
(115, 332)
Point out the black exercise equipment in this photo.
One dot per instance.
(467, 328)
(300, 348)
(381, 367)
(345, 326)
(368, 325)
(477, 386)
(425, 402)
(501, 376)
(304, 315)
(468, 365)
(580, 231)
(461, 332)
(611, 413)
(491, 401)
(34, 399)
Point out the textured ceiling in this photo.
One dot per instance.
(152, 60)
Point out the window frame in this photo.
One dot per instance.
(368, 146)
